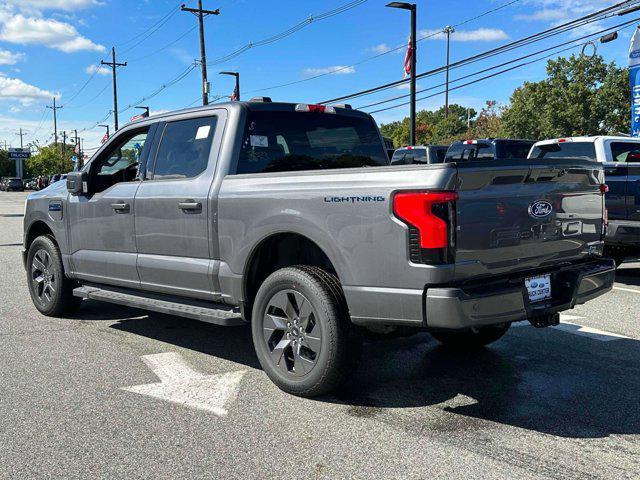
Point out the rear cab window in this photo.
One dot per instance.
(282, 141)
(408, 156)
(586, 150)
(511, 150)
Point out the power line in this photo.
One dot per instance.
(501, 72)
(593, 17)
(382, 54)
(170, 44)
(162, 21)
(290, 31)
(591, 35)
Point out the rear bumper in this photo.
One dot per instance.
(623, 233)
(506, 300)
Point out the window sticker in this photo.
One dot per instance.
(259, 141)
(203, 132)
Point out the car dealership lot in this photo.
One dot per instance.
(117, 392)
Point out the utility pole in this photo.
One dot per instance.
(55, 121)
(236, 92)
(21, 135)
(114, 65)
(200, 13)
(448, 31)
(64, 149)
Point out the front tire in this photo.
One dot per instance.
(472, 339)
(302, 332)
(51, 291)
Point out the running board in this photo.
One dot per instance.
(224, 315)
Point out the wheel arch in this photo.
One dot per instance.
(36, 229)
(281, 250)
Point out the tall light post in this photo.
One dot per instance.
(236, 91)
(412, 115)
(448, 31)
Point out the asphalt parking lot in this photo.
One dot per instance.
(116, 392)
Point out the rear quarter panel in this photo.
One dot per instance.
(347, 213)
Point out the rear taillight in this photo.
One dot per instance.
(604, 188)
(430, 217)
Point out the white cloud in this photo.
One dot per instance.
(48, 32)
(69, 5)
(381, 48)
(10, 58)
(554, 11)
(335, 70)
(26, 94)
(99, 69)
(478, 35)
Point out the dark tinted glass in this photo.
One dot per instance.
(438, 154)
(509, 150)
(627, 152)
(184, 148)
(565, 150)
(455, 152)
(290, 141)
(405, 156)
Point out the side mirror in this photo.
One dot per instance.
(76, 182)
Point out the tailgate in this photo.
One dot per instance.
(515, 215)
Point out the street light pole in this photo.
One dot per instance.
(448, 31)
(412, 111)
(236, 91)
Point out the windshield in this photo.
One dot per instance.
(567, 150)
(291, 141)
(407, 156)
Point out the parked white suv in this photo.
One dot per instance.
(621, 159)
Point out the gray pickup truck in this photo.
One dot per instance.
(288, 218)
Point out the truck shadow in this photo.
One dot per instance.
(547, 381)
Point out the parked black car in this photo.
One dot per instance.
(13, 185)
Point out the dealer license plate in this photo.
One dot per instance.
(539, 288)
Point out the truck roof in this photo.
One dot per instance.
(254, 105)
(590, 139)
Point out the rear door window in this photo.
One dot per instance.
(585, 150)
(291, 141)
(625, 152)
(184, 148)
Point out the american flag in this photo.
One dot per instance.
(105, 138)
(77, 149)
(234, 95)
(136, 117)
(407, 60)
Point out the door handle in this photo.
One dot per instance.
(121, 207)
(190, 206)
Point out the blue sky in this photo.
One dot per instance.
(52, 47)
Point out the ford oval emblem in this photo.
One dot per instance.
(540, 209)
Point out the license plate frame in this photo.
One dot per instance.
(538, 288)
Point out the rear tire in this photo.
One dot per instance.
(472, 339)
(302, 333)
(51, 291)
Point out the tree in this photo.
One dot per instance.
(48, 161)
(7, 167)
(489, 123)
(580, 96)
(431, 126)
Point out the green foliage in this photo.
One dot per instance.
(49, 161)
(580, 96)
(431, 127)
(7, 167)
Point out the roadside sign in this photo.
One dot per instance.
(19, 153)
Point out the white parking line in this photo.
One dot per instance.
(566, 325)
